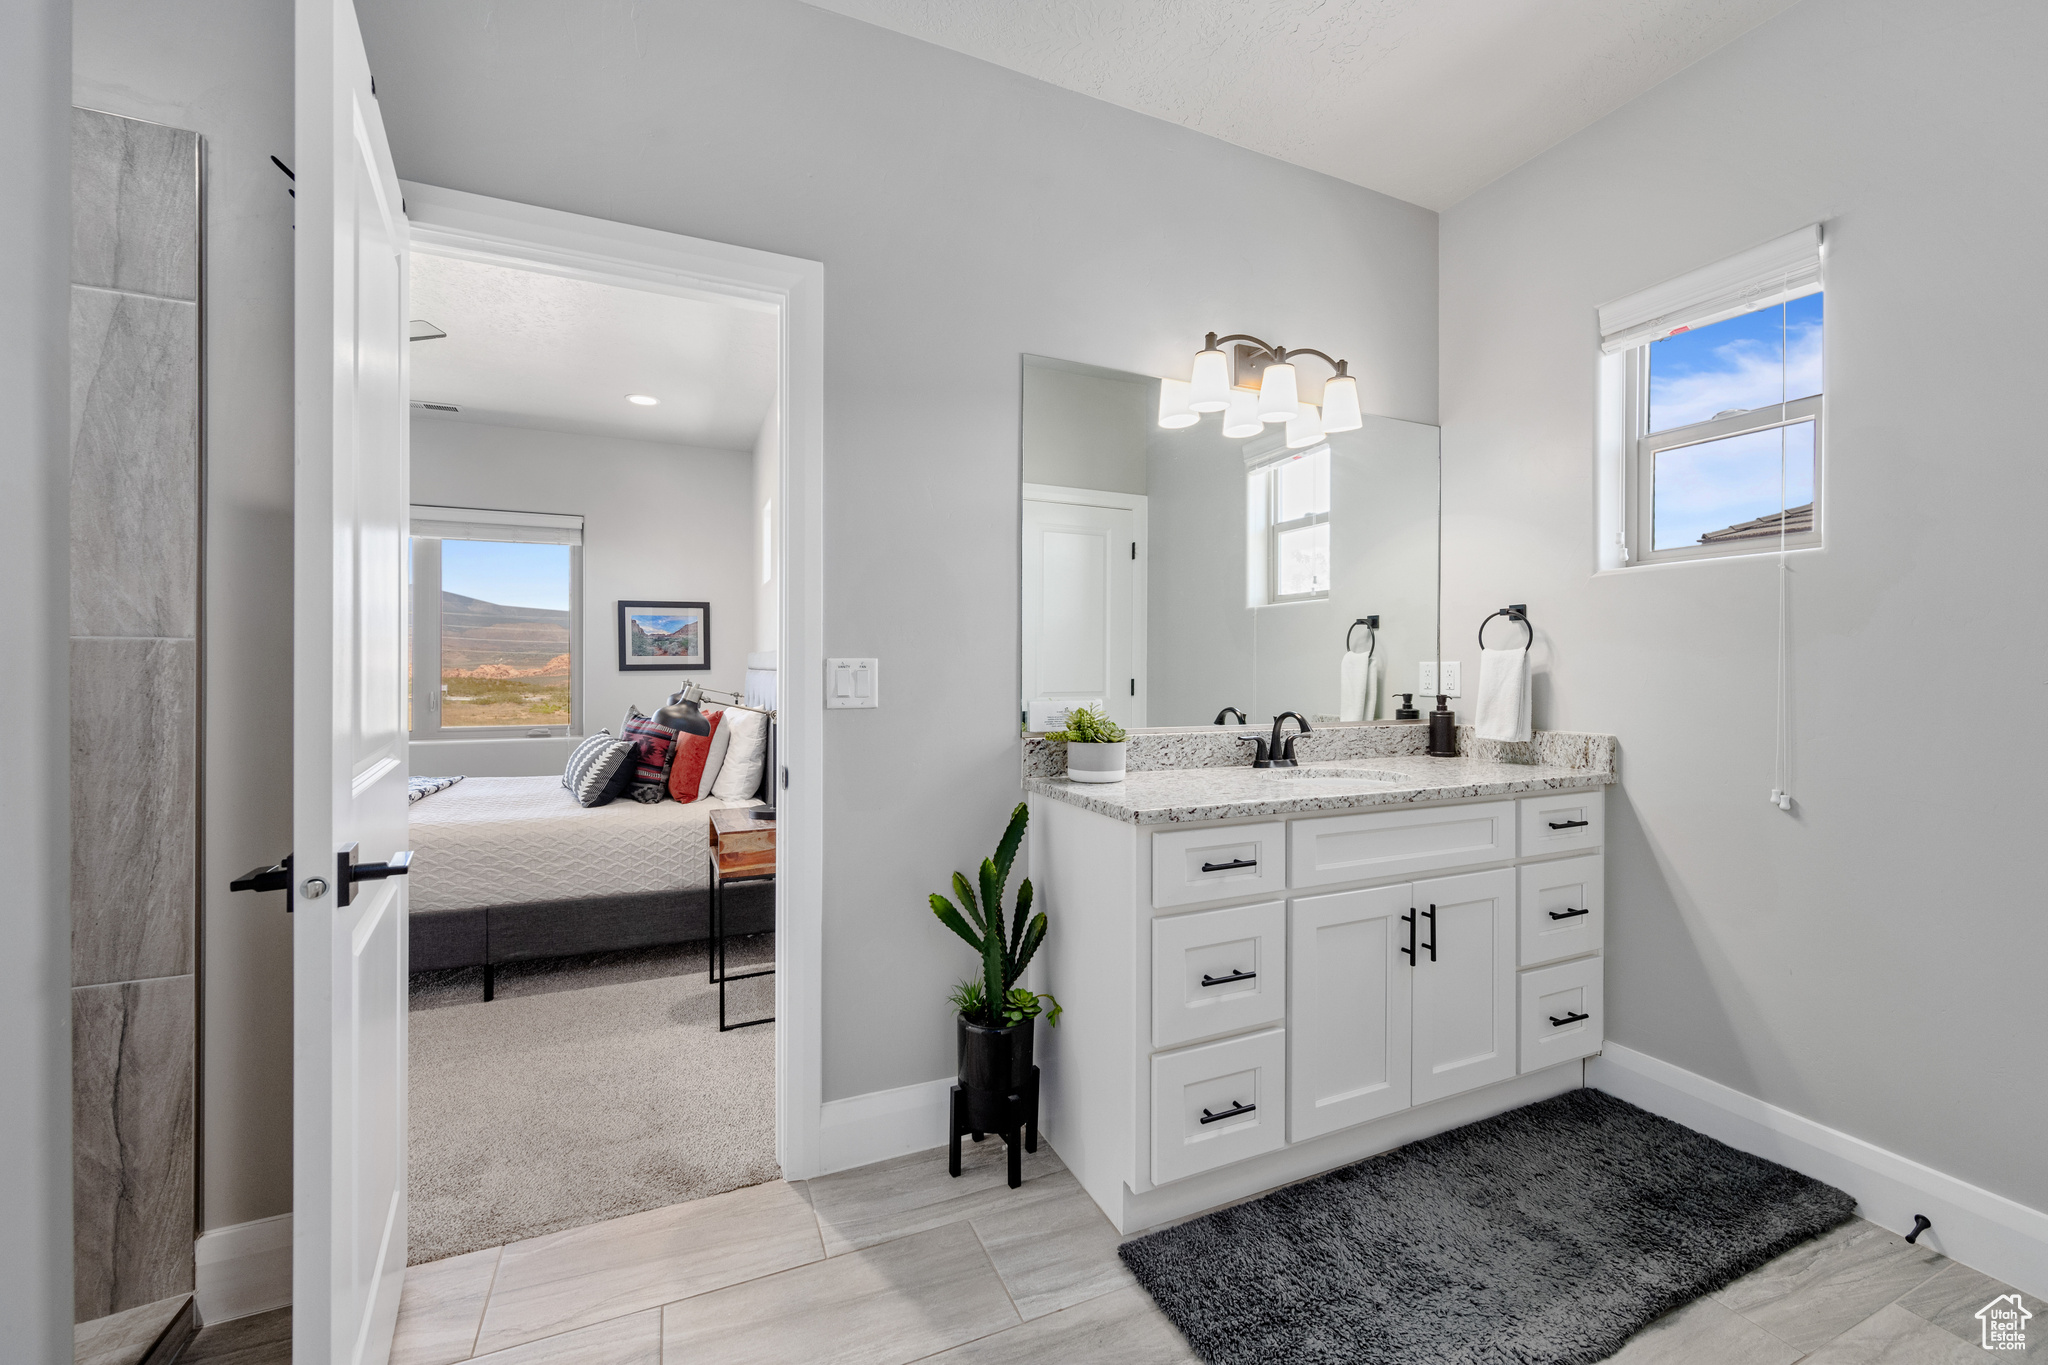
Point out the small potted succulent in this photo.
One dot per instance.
(1095, 745)
(995, 1015)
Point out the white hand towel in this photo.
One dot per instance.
(1503, 709)
(1354, 691)
(1373, 688)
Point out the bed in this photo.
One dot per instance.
(507, 869)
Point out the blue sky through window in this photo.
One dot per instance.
(509, 574)
(1770, 356)
(1715, 484)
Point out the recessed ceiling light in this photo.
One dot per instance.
(645, 400)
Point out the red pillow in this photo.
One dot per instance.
(686, 772)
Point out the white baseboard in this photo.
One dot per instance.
(245, 1268)
(862, 1129)
(1987, 1232)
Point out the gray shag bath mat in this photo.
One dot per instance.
(1547, 1235)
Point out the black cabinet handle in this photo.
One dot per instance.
(1570, 1018)
(1570, 914)
(1231, 865)
(1208, 980)
(1409, 947)
(1232, 1112)
(1430, 914)
(1568, 824)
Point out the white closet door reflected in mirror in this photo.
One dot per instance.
(1170, 573)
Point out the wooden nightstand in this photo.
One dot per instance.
(742, 850)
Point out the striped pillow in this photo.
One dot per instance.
(580, 761)
(607, 775)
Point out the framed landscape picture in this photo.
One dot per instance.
(664, 636)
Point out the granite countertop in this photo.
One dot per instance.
(1183, 795)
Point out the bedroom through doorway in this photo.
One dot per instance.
(595, 593)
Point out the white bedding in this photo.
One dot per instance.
(517, 840)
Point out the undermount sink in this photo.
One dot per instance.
(1351, 775)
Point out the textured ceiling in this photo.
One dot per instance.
(1426, 100)
(538, 350)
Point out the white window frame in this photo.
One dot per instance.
(1643, 447)
(1265, 507)
(431, 527)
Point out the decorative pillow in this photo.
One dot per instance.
(657, 751)
(585, 754)
(693, 754)
(608, 775)
(721, 740)
(741, 774)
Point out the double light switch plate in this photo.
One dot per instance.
(851, 684)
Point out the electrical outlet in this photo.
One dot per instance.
(852, 684)
(1428, 687)
(1448, 671)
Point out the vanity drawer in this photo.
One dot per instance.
(1333, 849)
(1563, 909)
(1218, 971)
(1562, 1016)
(1564, 823)
(1190, 866)
(1217, 1103)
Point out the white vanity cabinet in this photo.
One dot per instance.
(1250, 1002)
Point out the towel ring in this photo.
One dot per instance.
(1372, 639)
(1517, 612)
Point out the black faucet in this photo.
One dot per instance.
(1230, 711)
(1277, 756)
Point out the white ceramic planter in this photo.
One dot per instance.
(1095, 762)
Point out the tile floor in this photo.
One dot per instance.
(897, 1263)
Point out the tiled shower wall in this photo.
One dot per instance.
(135, 575)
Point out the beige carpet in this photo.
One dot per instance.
(591, 1087)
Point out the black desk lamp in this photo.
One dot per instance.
(683, 714)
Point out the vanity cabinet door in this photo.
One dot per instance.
(1465, 989)
(1348, 1024)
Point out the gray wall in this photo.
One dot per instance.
(659, 521)
(1873, 959)
(135, 587)
(1087, 430)
(35, 971)
(223, 68)
(965, 216)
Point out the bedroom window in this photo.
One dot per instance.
(1722, 391)
(496, 621)
(1290, 499)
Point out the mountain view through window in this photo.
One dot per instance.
(505, 648)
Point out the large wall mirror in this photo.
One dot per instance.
(1170, 573)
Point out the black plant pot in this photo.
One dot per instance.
(995, 1063)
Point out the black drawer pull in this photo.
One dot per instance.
(1208, 980)
(1232, 865)
(1570, 914)
(1570, 1018)
(1568, 824)
(1232, 1112)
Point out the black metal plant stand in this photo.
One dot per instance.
(719, 976)
(978, 1113)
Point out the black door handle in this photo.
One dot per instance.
(347, 871)
(1232, 1112)
(1430, 914)
(1571, 1017)
(1208, 980)
(1570, 914)
(276, 877)
(1568, 824)
(1231, 865)
(1409, 947)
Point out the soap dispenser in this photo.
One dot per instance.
(1406, 710)
(1443, 731)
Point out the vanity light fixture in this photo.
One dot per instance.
(642, 400)
(1277, 398)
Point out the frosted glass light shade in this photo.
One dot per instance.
(1210, 387)
(1278, 397)
(1241, 418)
(1340, 405)
(1305, 428)
(1173, 405)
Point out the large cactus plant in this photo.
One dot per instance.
(1005, 949)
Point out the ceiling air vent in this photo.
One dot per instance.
(438, 407)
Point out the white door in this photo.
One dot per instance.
(348, 724)
(1080, 608)
(1465, 987)
(1348, 1032)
